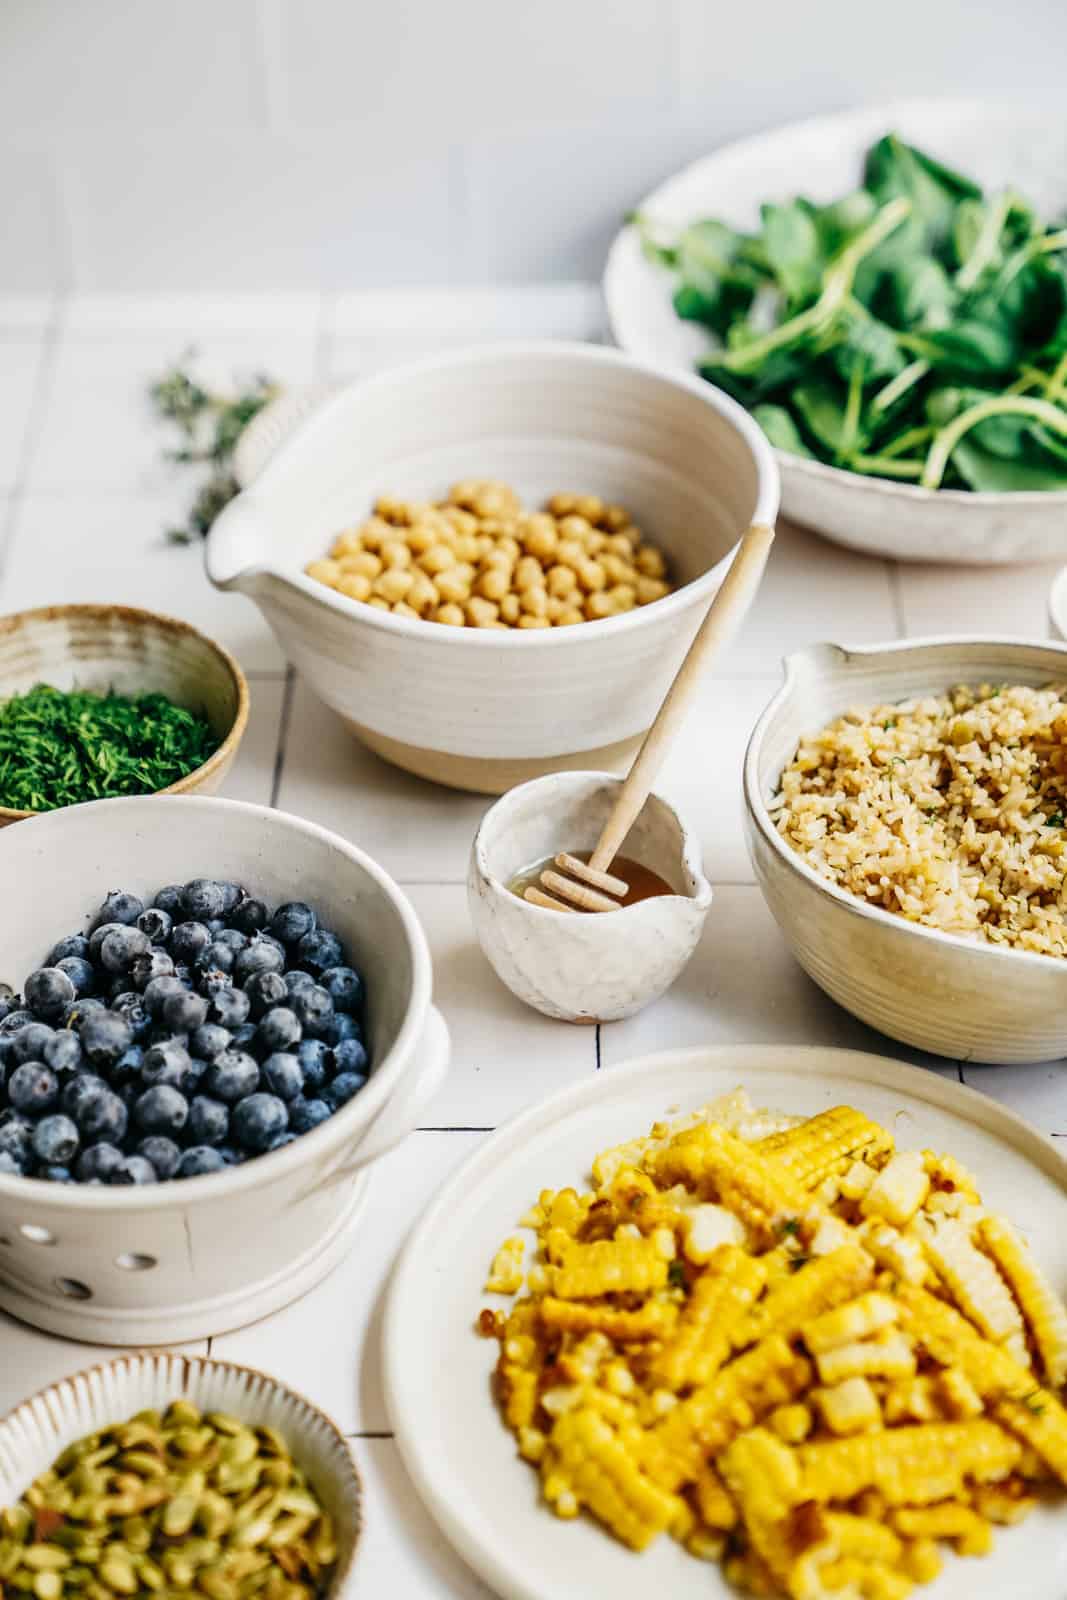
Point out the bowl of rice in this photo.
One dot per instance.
(906, 815)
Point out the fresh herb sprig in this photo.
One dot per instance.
(915, 329)
(59, 748)
(209, 425)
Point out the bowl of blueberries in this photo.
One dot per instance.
(213, 1018)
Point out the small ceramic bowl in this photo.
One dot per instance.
(132, 652)
(38, 1430)
(957, 997)
(585, 968)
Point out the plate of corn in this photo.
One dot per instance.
(776, 1321)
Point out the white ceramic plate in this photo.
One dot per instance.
(1023, 146)
(1057, 604)
(437, 1370)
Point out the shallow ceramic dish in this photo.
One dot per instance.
(822, 158)
(1057, 604)
(460, 1455)
(132, 652)
(181, 1260)
(584, 968)
(958, 997)
(471, 707)
(35, 1432)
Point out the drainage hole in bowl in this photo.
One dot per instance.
(37, 1235)
(73, 1289)
(132, 1262)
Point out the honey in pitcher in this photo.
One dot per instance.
(643, 883)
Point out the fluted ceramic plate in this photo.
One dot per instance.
(437, 1371)
(34, 1434)
(1000, 145)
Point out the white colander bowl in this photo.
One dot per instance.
(177, 1261)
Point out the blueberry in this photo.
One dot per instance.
(131, 1006)
(189, 940)
(170, 900)
(296, 979)
(315, 1061)
(104, 1119)
(209, 1040)
(266, 990)
(134, 1169)
(154, 964)
(127, 1068)
(156, 924)
(320, 950)
(231, 1076)
(217, 958)
(243, 1037)
(184, 974)
(249, 917)
(81, 973)
(230, 1156)
(98, 1163)
(204, 898)
(209, 1120)
(161, 1110)
(30, 1042)
(229, 1007)
(75, 944)
(339, 1028)
(200, 1160)
(63, 1052)
(343, 1088)
(120, 948)
(344, 987)
(80, 1093)
(350, 1056)
(282, 1075)
(166, 1064)
(314, 1008)
(259, 955)
(215, 925)
(19, 1018)
(184, 1012)
(211, 979)
(55, 1141)
(231, 938)
(54, 1174)
(118, 907)
(258, 1119)
(290, 922)
(33, 1088)
(307, 1114)
(280, 1141)
(49, 993)
(11, 1166)
(105, 1035)
(16, 1134)
(83, 1008)
(8, 1003)
(159, 991)
(162, 1153)
(279, 1030)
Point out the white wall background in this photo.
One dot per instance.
(333, 144)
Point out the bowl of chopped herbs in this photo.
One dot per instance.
(885, 291)
(101, 701)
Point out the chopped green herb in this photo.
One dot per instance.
(796, 1262)
(888, 725)
(1033, 1401)
(1055, 820)
(790, 1226)
(676, 1276)
(59, 748)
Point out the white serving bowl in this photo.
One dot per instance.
(822, 158)
(941, 992)
(584, 968)
(185, 1259)
(485, 709)
(38, 1430)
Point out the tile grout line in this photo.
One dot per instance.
(38, 411)
(456, 1127)
(283, 734)
(598, 1058)
(369, 1434)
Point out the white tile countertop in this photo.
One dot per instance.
(84, 499)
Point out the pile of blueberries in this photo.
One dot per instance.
(178, 1039)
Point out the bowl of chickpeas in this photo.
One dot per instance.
(490, 563)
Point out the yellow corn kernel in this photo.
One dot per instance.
(952, 1520)
(970, 1277)
(609, 1266)
(707, 1228)
(961, 1398)
(947, 1175)
(791, 1423)
(1043, 1310)
(909, 1465)
(864, 1538)
(603, 1476)
(921, 1560)
(854, 1183)
(849, 1407)
(714, 1500)
(807, 1293)
(505, 1275)
(654, 1320)
(823, 1144)
(356, 585)
(715, 1305)
(718, 1166)
(898, 1191)
(899, 1253)
(1006, 1503)
(855, 1320)
(918, 1399)
(889, 1356)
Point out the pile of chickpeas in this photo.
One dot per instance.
(479, 560)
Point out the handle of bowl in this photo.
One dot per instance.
(401, 1114)
(233, 550)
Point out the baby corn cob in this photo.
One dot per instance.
(970, 1277)
(654, 1320)
(590, 1460)
(610, 1266)
(1044, 1312)
(718, 1166)
(716, 1304)
(824, 1145)
(910, 1465)
(815, 1288)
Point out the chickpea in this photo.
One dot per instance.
(421, 537)
(556, 608)
(437, 559)
(540, 537)
(575, 528)
(481, 613)
(591, 575)
(528, 574)
(528, 621)
(624, 596)
(365, 562)
(620, 545)
(402, 610)
(615, 518)
(467, 547)
(649, 561)
(391, 509)
(649, 589)
(599, 604)
(561, 581)
(589, 506)
(324, 572)
(347, 543)
(561, 505)
(453, 586)
(595, 542)
(450, 614)
(509, 609)
(570, 552)
(356, 585)
(618, 570)
(509, 546)
(494, 583)
(395, 554)
(423, 594)
(393, 585)
(533, 602)
(461, 520)
(378, 603)
(570, 616)
(375, 532)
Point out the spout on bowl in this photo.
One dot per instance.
(236, 546)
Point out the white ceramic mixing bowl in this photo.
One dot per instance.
(181, 1260)
(477, 708)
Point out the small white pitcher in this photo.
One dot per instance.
(584, 968)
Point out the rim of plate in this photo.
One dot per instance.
(430, 1472)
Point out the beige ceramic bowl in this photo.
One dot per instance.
(957, 997)
(470, 707)
(132, 652)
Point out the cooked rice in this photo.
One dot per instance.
(948, 810)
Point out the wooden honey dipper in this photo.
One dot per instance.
(574, 885)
